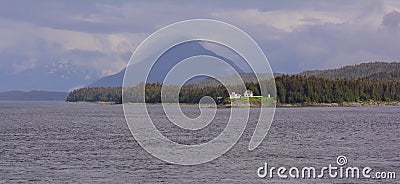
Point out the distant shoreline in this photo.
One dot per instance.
(278, 105)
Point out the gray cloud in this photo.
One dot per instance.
(73, 43)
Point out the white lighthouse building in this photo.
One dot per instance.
(248, 93)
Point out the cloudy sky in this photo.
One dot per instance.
(62, 45)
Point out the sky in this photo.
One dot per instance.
(64, 45)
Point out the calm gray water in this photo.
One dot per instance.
(87, 143)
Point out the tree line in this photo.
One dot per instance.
(373, 70)
(297, 89)
(289, 89)
(96, 94)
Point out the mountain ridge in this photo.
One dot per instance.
(389, 70)
(164, 64)
(376, 70)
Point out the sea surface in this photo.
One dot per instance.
(56, 142)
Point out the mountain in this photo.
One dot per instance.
(33, 96)
(110, 81)
(165, 63)
(358, 84)
(55, 76)
(363, 70)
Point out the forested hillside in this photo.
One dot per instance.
(96, 94)
(246, 77)
(290, 89)
(377, 70)
(297, 89)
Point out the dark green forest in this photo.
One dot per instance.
(372, 70)
(297, 89)
(289, 88)
(96, 94)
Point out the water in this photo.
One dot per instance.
(87, 143)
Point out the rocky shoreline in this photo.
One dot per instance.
(344, 104)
